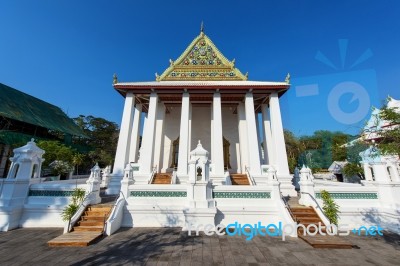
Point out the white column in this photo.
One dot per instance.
(184, 137)
(278, 137)
(258, 136)
(254, 157)
(242, 128)
(122, 154)
(134, 148)
(216, 138)
(268, 141)
(158, 148)
(146, 155)
(190, 131)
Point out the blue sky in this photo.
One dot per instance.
(65, 52)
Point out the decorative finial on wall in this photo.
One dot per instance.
(287, 79)
(115, 78)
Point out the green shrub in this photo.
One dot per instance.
(330, 208)
(78, 196)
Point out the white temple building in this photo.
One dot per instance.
(201, 96)
(199, 162)
(200, 159)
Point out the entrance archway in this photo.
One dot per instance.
(226, 144)
(175, 154)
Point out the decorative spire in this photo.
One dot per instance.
(287, 79)
(115, 78)
(202, 27)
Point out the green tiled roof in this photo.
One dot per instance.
(20, 106)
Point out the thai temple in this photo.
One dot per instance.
(189, 154)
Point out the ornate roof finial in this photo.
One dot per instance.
(202, 27)
(287, 79)
(157, 77)
(115, 78)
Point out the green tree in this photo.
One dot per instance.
(77, 159)
(293, 149)
(323, 147)
(389, 141)
(102, 139)
(55, 151)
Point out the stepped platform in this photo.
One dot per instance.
(320, 241)
(75, 239)
(88, 229)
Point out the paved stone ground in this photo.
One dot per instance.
(155, 246)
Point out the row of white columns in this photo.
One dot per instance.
(274, 144)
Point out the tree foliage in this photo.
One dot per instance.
(55, 151)
(102, 139)
(319, 150)
(389, 142)
(293, 149)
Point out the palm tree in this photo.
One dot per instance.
(77, 160)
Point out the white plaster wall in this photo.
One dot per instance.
(201, 127)
(171, 133)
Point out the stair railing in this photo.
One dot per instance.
(152, 175)
(173, 179)
(82, 207)
(251, 179)
(112, 214)
(318, 207)
(287, 206)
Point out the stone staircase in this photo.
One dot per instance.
(87, 230)
(240, 179)
(162, 179)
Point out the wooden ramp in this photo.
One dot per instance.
(320, 241)
(86, 230)
(75, 239)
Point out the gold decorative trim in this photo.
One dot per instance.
(183, 68)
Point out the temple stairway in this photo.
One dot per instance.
(240, 179)
(162, 179)
(306, 216)
(87, 230)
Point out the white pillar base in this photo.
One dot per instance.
(287, 187)
(114, 184)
